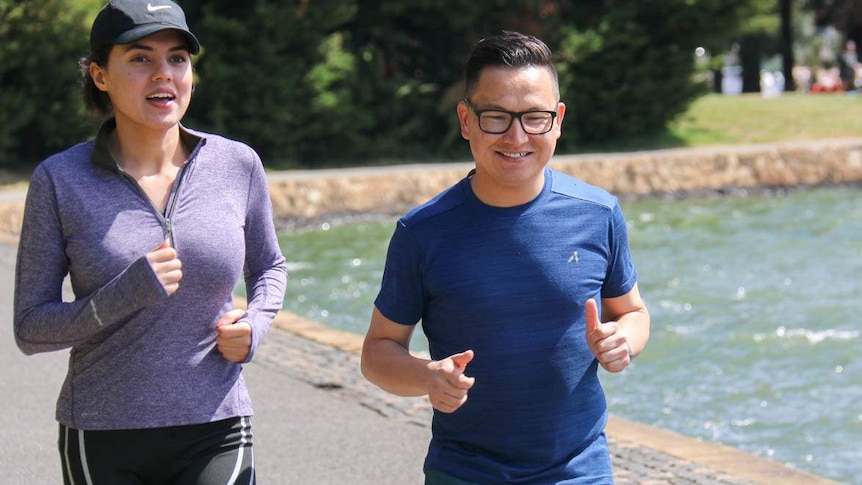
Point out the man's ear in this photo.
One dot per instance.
(463, 113)
(561, 113)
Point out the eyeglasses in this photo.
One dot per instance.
(496, 121)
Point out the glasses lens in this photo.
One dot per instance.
(537, 122)
(534, 122)
(495, 121)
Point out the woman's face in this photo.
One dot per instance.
(149, 81)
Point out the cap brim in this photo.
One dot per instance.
(142, 31)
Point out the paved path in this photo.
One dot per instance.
(318, 422)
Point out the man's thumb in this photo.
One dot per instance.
(461, 360)
(591, 309)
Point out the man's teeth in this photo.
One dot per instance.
(515, 154)
(160, 96)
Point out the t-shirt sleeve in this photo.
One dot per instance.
(401, 296)
(621, 276)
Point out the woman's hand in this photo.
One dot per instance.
(167, 266)
(233, 337)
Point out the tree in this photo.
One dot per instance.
(41, 111)
(785, 9)
(340, 82)
(334, 82)
(414, 53)
(358, 81)
(845, 15)
(270, 73)
(627, 67)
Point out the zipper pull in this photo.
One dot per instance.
(169, 233)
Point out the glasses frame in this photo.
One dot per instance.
(512, 116)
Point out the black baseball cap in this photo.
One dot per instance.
(125, 21)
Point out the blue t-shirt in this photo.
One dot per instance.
(511, 283)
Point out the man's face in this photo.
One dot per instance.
(510, 165)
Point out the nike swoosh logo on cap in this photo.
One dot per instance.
(151, 8)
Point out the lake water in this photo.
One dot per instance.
(755, 305)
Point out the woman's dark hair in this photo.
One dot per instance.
(96, 101)
(510, 49)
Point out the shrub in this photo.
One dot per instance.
(41, 111)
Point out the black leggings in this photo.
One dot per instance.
(200, 454)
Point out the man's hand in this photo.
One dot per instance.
(167, 266)
(233, 338)
(606, 342)
(448, 386)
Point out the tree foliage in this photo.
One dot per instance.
(627, 67)
(272, 73)
(339, 82)
(40, 107)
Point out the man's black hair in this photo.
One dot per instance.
(509, 49)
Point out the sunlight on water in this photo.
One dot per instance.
(335, 272)
(754, 301)
(811, 337)
(755, 327)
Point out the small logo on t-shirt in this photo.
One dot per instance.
(573, 257)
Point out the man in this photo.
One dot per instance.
(504, 269)
(848, 64)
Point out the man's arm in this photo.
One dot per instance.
(625, 327)
(387, 362)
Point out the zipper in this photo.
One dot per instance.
(164, 219)
(169, 232)
(172, 204)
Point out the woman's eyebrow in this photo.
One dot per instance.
(146, 47)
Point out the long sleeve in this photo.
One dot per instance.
(265, 266)
(43, 322)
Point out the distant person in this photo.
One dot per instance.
(827, 79)
(524, 284)
(848, 65)
(802, 77)
(154, 224)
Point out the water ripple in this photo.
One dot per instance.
(813, 337)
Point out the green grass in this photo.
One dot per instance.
(722, 120)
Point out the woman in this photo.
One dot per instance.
(154, 223)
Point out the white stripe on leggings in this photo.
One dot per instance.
(66, 455)
(83, 452)
(251, 453)
(242, 443)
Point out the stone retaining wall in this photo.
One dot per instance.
(311, 194)
(679, 172)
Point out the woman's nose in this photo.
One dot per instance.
(161, 70)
